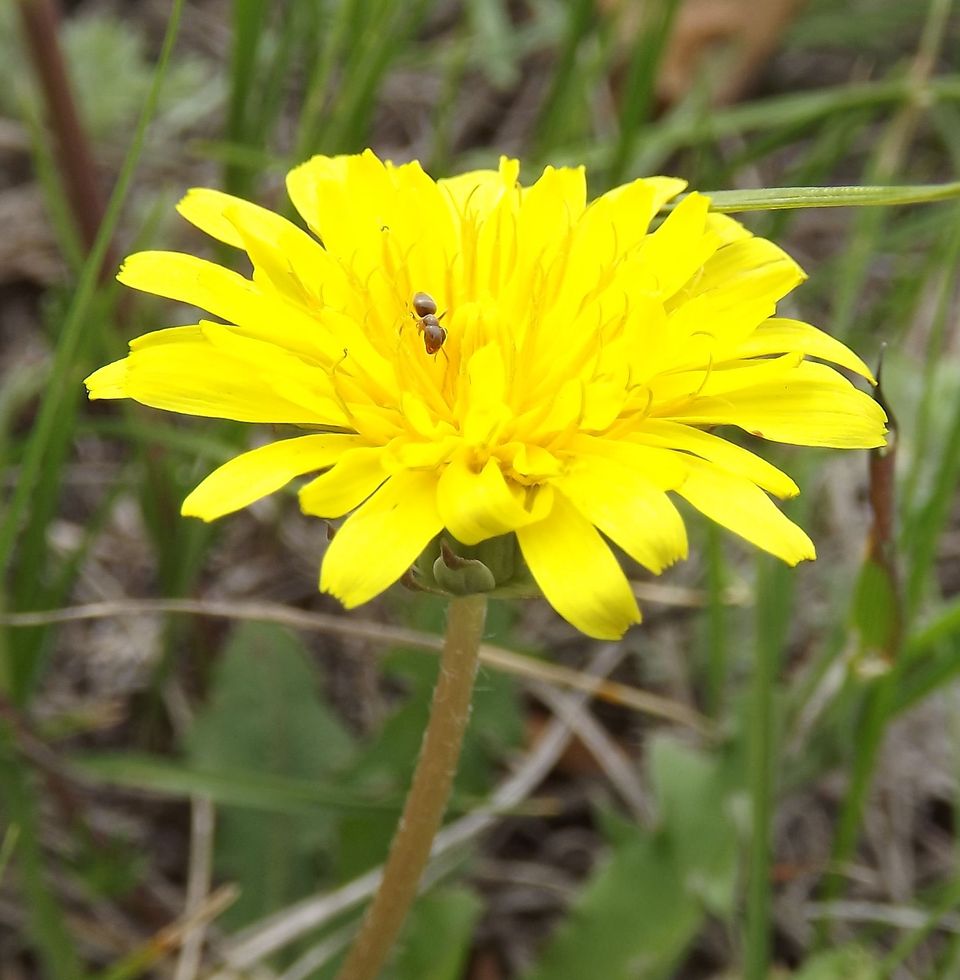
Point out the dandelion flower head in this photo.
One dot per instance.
(567, 385)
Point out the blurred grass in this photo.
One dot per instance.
(793, 696)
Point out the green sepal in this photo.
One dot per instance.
(494, 567)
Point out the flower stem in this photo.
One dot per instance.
(429, 791)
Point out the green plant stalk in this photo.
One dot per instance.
(774, 597)
(796, 109)
(717, 639)
(757, 950)
(325, 44)
(949, 257)
(639, 88)
(349, 123)
(923, 530)
(948, 901)
(949, 962)
(47, 172)
(248, 20)
(887, 161)
(940, 627)
(48, 440)
(45, 924)
(447, 105)
(870, 735)
(566, 85)
(858, 196)
(429, 791)
(45, 426)
(7, 846)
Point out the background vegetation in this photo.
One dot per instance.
(201, 758)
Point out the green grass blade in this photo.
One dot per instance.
(922, 533)
(639, 88)
(804, 109)
(778, 198)
(45, 920)
(716, 641)
(63, 388)
(774, 597)
(947, 902)
(252, 790)
(566, 86)
(249, 17)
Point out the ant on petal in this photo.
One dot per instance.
(428, 323)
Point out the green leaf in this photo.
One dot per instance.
(646, 902)
(234, 787)
(266, 717)
(875, 607)
(633, 919)
(490, 26)
(696, 799)
(436, 939)
(845, 963)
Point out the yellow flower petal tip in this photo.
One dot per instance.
(477, 358)
(108, 381)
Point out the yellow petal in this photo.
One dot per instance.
(196, 377)
(192, 280)
(108, 381)
(816, 407)
(549, 210)
(303, 184)
(728, 229)
(663, 469)
(577, 572)
(479, 191)
(608, 229)
(359, 205)
(629, 509)
(737, 289)
(725, 454)
(205, 208)
(557, 413)
(269, 316)
(485, 411)
(746, 263)
(192, 333)
(261, 471)
(664, 190)
(379, 542)
(355, 476)
(777, 335)
(480, 505)
(293, 262)
(742, 507)
(680, 246)
(712, 380)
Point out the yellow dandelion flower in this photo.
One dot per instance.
(484, 359)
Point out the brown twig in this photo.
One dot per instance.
(40, 23)
(272, 612)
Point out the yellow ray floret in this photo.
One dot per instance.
(563, 377)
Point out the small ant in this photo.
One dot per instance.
(428, 323)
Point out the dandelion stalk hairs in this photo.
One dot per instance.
(494, 366)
